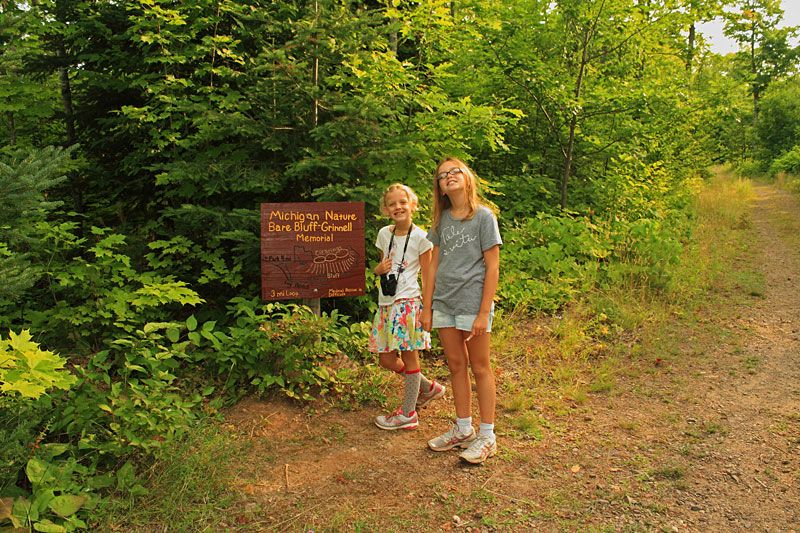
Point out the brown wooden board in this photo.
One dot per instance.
(312, 250)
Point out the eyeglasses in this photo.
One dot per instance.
(452, 172)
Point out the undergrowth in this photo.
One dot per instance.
(175, 466)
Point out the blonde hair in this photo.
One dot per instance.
(412, 196)
(441, 202)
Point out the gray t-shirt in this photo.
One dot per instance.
(462, 271)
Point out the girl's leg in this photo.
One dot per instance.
(402, 418)
(456, 351)
(412, 379)
(478, 348)
(390, 361)
(411, 360)
(484, 445)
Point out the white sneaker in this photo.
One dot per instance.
(452, 439)
(397, 420)
(436, 392)
(481, 449)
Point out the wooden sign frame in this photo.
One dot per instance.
(312, 250)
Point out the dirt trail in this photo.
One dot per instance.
(754, 475)
(706, 440)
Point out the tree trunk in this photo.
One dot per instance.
(66, 104)
(690, 48)
(568, 165)
(754, 71)
(69, 123)
(393, 40)
(574, 120)
(755, 105)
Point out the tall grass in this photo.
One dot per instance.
(788, 182)
(580, 350)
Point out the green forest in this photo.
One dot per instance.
(139, 137)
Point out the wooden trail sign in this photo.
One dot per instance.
(312, 250)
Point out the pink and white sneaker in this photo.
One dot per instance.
(397, 420)
(424, 398)
(481, 449)
(452, 439)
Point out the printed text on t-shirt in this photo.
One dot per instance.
(453, 238)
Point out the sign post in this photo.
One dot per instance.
(312, 250)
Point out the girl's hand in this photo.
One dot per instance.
(426, 319)
(480, 325)
(384, 266)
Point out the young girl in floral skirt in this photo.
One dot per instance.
(397, 329)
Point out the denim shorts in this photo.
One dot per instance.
(461, 322)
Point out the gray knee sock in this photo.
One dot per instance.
(424, 383)
(411, 392)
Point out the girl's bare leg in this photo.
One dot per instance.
(456, 351)
(478, 349)
(390, 361)
(411, 360)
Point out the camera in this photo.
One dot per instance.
(388, 284)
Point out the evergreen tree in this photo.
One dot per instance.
(23, 185)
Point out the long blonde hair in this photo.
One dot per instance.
(441, 202)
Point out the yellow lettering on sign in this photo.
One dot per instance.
(272, 226)
(332, 215)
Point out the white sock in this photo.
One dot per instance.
(487, 429)
(464, 425)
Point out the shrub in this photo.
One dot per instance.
(789, 162)
(288, 347)
(548, 260)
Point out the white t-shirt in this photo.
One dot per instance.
(407, 284)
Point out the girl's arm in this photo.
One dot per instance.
(491, 259)
(424, 264)
(428, 284)
(384, 266)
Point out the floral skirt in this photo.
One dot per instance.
(397, 327)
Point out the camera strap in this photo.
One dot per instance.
(405, 247)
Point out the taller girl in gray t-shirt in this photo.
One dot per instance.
(458, 301)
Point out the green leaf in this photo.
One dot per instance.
(138, 490)
(28, 370)
(21, 513)
(42, 500)
(125, 476)
(54, 449)
(173, 335)
(39, 472)
(101, 482)
(67, 504)
(47, 526)
(191, 323)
